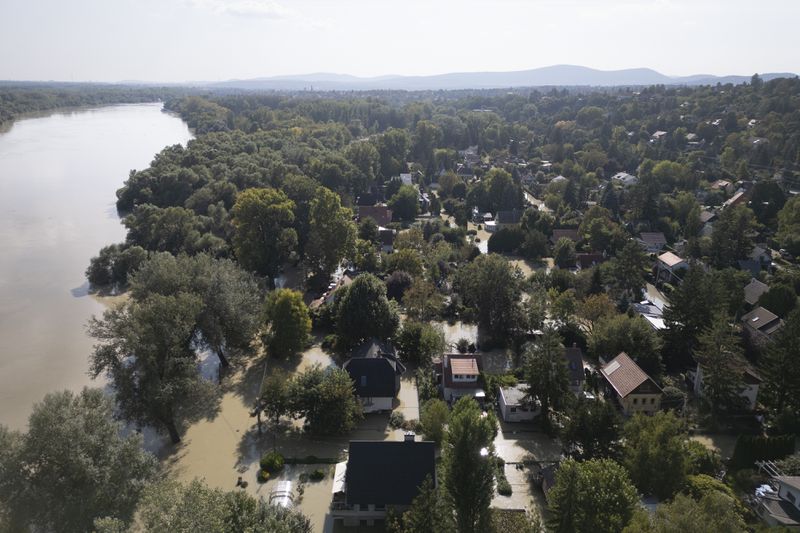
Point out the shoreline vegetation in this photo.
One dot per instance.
(272, 189)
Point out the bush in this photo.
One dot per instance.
(506, 240)
(272, 462)
(750, 448)
(263, 476)
(504, 488)
(317, 475)
(396, 419)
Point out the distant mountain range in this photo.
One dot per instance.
(557, 75)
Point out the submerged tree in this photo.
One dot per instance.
(289, 322)
(332, 234)
(145, 348)
(546, 373)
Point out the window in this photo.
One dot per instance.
(363, 381)
(652, 401)
(513, 409)
(635, 401)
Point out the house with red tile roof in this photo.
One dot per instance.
(635, 391)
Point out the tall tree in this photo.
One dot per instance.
(629, 270)
(72, 466)
(325, 398)
(690, 311)
(332, 234)
(289, 322)
(468, 474)
(592, 430)
(420, 342)
(780, 369)
(634, 336)
(654, 453)
(545, 370)
(405, 203)
(595, 495)
(713, 513)
(434, 416)
(789, 226)
(429, 512)
(145, 349)
(264, 236)
(364, 311)
(732, 238)
(722, 360)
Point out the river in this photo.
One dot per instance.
(58, 176)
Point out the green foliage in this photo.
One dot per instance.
(271, 462)
(430, 512)
(781, 299)
(701, 460)
(790, 465)
(419, 342)
(434, 416)
(326, 400)
(422, 301)
(634, 336)
(114, 264)
(396, 419)
(492, 287)
(289, 322)
(592, 430)
(506, 240)
(170, 506)
(332, 233)
(654, 453)
(545, 370)
(732, 236)
(722, 361)
(789, 226)
(779, 369)
(564, 253)
(264, 236)
(468, 476)
(405, 203)
(595, 495)
(752, 448)
(364, 311)
(714, 513)
(317, 475)
(72, 466)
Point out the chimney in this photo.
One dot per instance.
(409, 436)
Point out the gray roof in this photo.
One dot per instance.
(574, 357)
(515, 395)
(754, 290)
(653, 238)
(763, 320)
(510, 216)
(790, 481)
(783, 512)
(386, 472)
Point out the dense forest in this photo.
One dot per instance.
(240, 244)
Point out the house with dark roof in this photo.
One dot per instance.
(574, 357)
(753, 291)
(381, 214)
(571, 234)
(516, 405)
(761, 324)
(589, 259)
(379, 475)
(780, 507)
(375, 371)
(508, 218)
(635, 391)
(458, 375)
(652, 241)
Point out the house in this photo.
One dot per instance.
(736, 199)
(761, 324)
(653, 314)
(379, 475)
(624, 179)
(375, 371)
(753, 291)
(669, 265)
(652, 242)
(515, 404)
(722, 185)
(575, 373)
(571, 234)
(635, 391)
(589, 259)
(386, 238)
(657, 136)
(459, 377)
(780, 507)
(761, 255)
(407, 179)
(381, 214)
(750, 379)
(508, 218)
(559, 179)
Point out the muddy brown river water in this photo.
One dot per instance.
(58, 176)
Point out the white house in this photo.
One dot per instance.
(750, 379)
(515, 405)
(624, 179)
(459, 377)
(781, 508)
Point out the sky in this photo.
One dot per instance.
(214, 40)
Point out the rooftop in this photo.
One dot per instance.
(624, 374)
(754, 290)
(762, 319)
(468, 367)
(670, 259)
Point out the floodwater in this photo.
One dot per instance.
(58, 176)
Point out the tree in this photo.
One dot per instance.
(397, 284)
(405, 203)
(714, 513)
(690, 311)
(732, 238)
(419, 342)
(595, 495)
(171, 506)
(595, 308)
(332, 233)
(145, 349)
(325, 398)
(780, 369)
(434, 416)
(422, 301)
(230, 296)
(274, 398)
(629, 267)
(634, 336)
(492, 287)
(654, 453)
(468, 475)
(592, 430)
(365, 312)
(780, 299)
(264, 236)
(722, 361)
(289, 322)
(72, 465)
(429, 512)
(789, 226)
(545, 370)
(564, 253)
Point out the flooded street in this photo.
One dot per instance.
(58, 177)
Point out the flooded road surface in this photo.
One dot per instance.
(58, 176)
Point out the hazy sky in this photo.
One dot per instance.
(178, 40)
